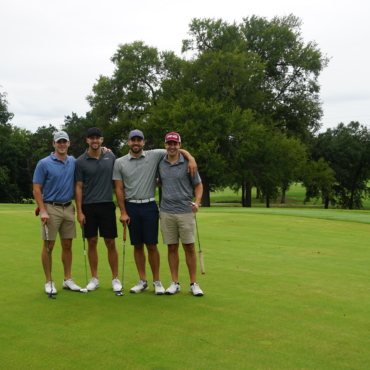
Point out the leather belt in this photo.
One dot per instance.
(59, 204)
(142, 200)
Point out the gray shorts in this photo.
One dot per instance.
(177, 226)
(62, 220)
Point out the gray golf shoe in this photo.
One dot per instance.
(140, 287)
(173, 288)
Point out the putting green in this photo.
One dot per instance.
(283, 290)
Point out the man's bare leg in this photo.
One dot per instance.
(173, 261)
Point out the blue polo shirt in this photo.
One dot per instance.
(56, 178)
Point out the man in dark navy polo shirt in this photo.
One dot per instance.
(95, 206)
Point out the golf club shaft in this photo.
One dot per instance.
(123, 254)
(201, 259)
(83, 239)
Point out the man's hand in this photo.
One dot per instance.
(192, 166)
(106, 149)
(194, 207)
(124, 218)
(45, 218)
(81, 219)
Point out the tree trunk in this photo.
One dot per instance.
(258, 193)
(283, 192)
(326, 202)
(248, 194)
(267, 200)
(206, 199)
(243, 192)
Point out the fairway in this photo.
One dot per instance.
(285, 289)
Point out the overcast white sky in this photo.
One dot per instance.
(52, 51)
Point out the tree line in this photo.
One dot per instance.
(245, 100)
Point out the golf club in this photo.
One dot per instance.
(83, 239)
(123, 259)
(201, 260)
(50, 295)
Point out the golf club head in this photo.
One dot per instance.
(84, 290)
(52, 296)
(119, 294)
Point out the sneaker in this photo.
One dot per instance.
(158, 288)
(195, 290)
(70, 285)
(116, 284)
(174, 288)
(140, 287)
(47, 288)
(93, 284)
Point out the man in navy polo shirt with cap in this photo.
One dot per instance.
(95, 206)
(53, 188)
(134, 176)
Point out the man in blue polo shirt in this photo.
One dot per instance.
(53, 188)
(95, 206)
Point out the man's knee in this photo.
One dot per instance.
(173, 248)
(110, 243)
(92, 242)
(152, 248)
(189, 248)
(66, 244)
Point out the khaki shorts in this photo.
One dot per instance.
(62, 220)
(177, 226)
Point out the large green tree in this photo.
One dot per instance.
(347, 150)
(233, 77)
(289, 92)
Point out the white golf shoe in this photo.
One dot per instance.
(195, 290)
(158, 288)
(93, 284)
(70, 285)
(48, 286)
(116, 285)
(140, 287)
(174, 288)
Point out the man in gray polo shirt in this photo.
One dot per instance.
(134, 176)
(178, 211)
(95, 206)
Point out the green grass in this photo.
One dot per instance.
(294, 199)
(284, 289)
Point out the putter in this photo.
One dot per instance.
(123, 259)
(83, 239)
(201, 260)
(50, 295)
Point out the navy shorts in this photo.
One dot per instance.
(143, 224)
(100, 216)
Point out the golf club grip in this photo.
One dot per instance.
(201, 260)
(124, 231)
(46, 233)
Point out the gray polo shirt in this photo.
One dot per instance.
(177, 185)
(139, 174)
(96, 175)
